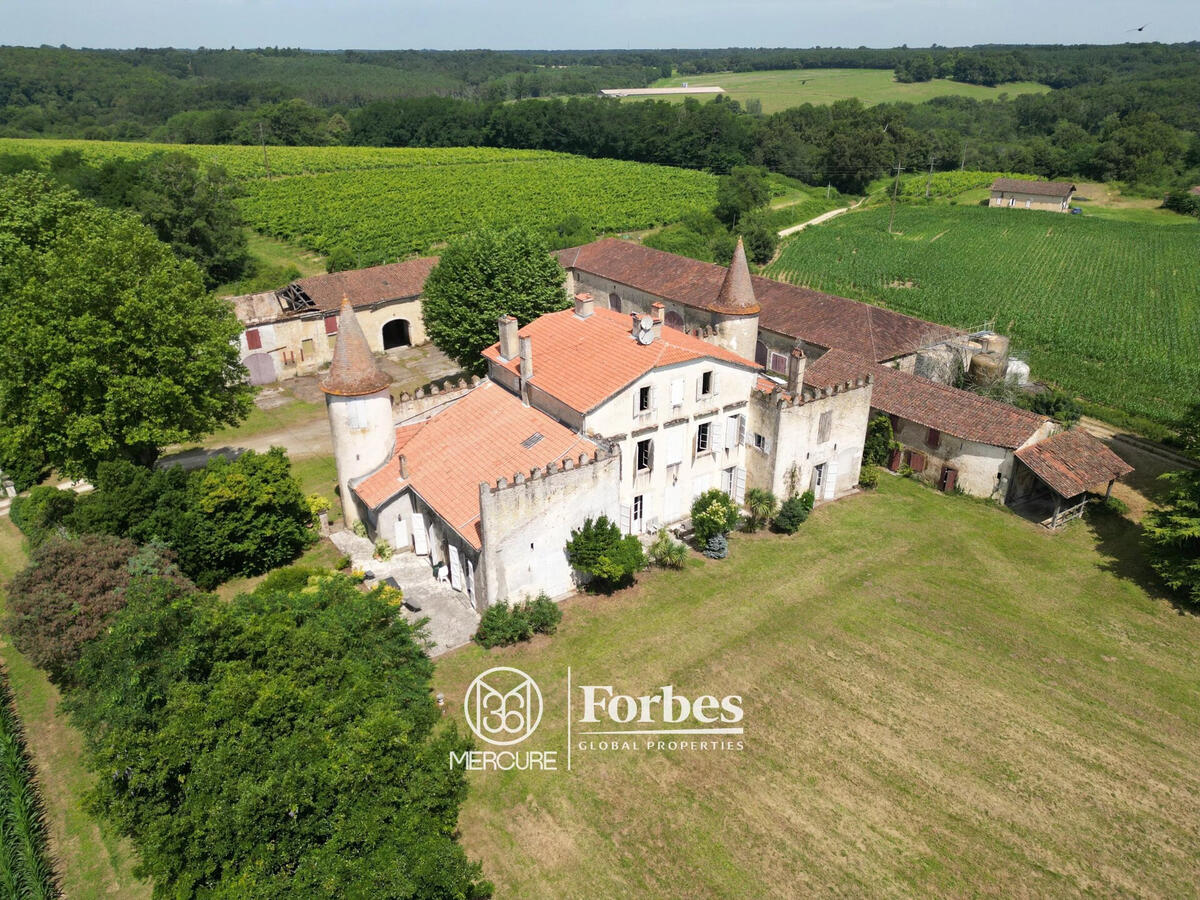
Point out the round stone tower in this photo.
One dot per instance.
(735, 311)
(359, 405)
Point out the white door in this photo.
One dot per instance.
(471, 580)
(434, 555)
(456, 571)
(831, 479)
(420, 544)
(401, 542)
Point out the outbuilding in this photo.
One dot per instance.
(1017, 193)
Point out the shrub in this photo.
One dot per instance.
(1107, 506)
(1053, 403)
(666, 552)
(879, 442)
(544, 614)
(716, 547)
(70, 592)
(359, 528)
(287, 579)
(501, 625)
(762, 505)
(868, 477)
(599, 550)
(793, 513)
(383, 550)
(713, 512)
(42, 513)
(342, 562)
(317, 504)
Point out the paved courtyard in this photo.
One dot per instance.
(452, 621)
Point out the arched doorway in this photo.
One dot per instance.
(673, 320)
(261, 368)
(614, 301)
(395, 334)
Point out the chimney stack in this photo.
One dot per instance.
(634, 318)
(795, 373)
(658, 311)
(584, 305)
(508, 337)
(403, 466)
(526, 357)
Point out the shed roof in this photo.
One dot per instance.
(948, 409)
(364, 287)
(1042, 188)
(483, 436)
(1072, 462)
(824, 320)
(584, 361)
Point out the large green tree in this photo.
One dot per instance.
(483, 276)
(112, 348)
(284, 745)
(1173, 535)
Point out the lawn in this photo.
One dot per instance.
(781, 89)
(940, 700)
(92, 862)
(1109, 309)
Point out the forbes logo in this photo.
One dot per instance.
(667, 707)
(503, 706)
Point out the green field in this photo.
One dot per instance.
(1108, 309)
(1024, 722)
(388, 203)
(781, 89)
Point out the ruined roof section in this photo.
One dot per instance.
(824, 320)
(736, 296)
(353, 372)
(583, 362)
(480, 437)
(1073, 462)
(1043, 188)
(364, 287)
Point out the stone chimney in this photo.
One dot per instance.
(658, 311)
(508, 337)
(526, 368)
(634, 319)
(584, 305)
(795, 373)
(403, 466)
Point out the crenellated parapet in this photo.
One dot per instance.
(435, 393)
(781, 398)
(552, 469)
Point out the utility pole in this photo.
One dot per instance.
(962, 165)
(895, 191)
(828, 188)
(262, 140)
(930, 177)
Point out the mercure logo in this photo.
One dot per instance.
(503, 706)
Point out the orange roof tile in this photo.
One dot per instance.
(353, 371)
(477, 438)
(583, 362)
(1073, 461)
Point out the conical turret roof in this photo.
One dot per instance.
(736, 297)
(353, 371)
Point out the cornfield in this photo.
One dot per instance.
(1107, 309)
(25, 870)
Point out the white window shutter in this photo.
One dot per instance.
(637, 398)
(434, 554)
(715, 385)
(420, 542)
(731, 433)
(674, 438)
(654, 398)
(456, 572)
(627, 518)
(767, 445)
(831, 479)
(716, 437)
(471, 580)
(741, 429)
(677, 392)
(739, 486)
(699, 387)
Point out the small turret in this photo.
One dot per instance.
(735, 310)
(359, 405)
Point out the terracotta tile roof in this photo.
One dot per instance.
(583, 362)
(480, 437)
(1072, 462)
(353, 371)
(948, 409)
(365, 287)
(816, 318)
(1042, 188)
(736, 296)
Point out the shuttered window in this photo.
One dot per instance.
(331, 324)
(933, 438)
(824, 426)
(253, 339)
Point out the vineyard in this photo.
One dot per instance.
(1107, 309)
(951, 184)
(384, 203)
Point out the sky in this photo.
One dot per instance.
(570, 24)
